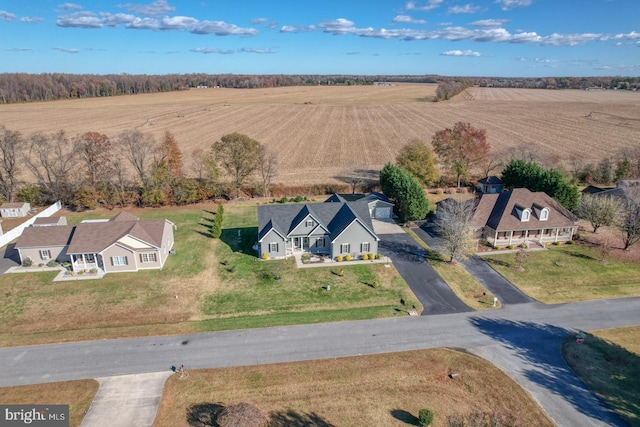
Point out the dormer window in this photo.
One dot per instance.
(526, 215)
(544, 214)
(309, 223)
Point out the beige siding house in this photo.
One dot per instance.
(122, 243)
(14, 210)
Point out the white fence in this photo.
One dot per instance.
(17, 231)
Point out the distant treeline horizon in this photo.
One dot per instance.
(24, 87)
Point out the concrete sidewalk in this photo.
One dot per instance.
(126, 400)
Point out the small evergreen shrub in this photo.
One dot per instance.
(523, 245)
(93, 271)
(376, 284)
(347, 257)
(557, 243)
(27, 262)
(284, 200)
(265, 256)
(426, 417)
(570, 242)
(379, 256)
(298, 199)
(365, 257)
(372, 255)
(52, 263)
(339, 258)
(511, 247)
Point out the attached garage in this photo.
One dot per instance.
(382, 212)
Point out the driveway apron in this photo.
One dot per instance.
(409, 258)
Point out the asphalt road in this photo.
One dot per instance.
(409, 258)
(523, 340)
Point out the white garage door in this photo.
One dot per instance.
(383, 212)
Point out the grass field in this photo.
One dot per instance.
(569, 273)
(321, 133)
(608, 361)
(207, 285)
(381, 390)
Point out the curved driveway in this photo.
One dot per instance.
(521, 340)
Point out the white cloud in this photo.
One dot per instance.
(467, 8)
(461, 53)
(207, 50)
(6, 16)
(510, 4)
(257, 50)
(406, 19)
(69, 6)
(19, 49)
(221, 28)
(67, 50)
(493, 23)
(337, 26)
(158, 8)
(431, 4)
(80, 20)
(297, 28)
(31, 20)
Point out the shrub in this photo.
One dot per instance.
(365, 257)
(570, 242)
(339, 258)
(376, 284)
(523, 245)
(298, 199)
(511, 247)
(379, 256)
(52, 263)
(27, 262)
(426, 417)
(372, 255)
(41, 264)
(557, 243)
(93, 271)
(498, 248)
(265, 256)
(242, 414)
(347, 257)
(284, 200)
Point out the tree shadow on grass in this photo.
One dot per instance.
(291, 418)
(204, 414)
(405, 417)
(240, 239)
(538, 345)
(407, 250)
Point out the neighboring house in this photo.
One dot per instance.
(122, 243)
(521, 216)
(14, 210)
(335, 227)
(625, 189)
(50, 221)
(490, 184)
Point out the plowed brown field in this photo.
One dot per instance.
(320, 133)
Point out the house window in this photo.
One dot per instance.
(148, 257)
(526, 215)
(345, 248)
(309, 223)
(320, 242)
(364, 247)
(119, 260)
(544, 214)
(45, 254)
(273, 247)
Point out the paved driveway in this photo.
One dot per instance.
(409, 258)
(494, 282)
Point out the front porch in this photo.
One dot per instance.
(540, 236)
(85, 262)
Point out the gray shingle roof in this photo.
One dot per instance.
(33, 237)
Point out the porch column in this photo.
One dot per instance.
(510, 236)
(557, 232)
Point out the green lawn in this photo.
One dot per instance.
(569, 273)
(254, 287)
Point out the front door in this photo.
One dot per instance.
(300, 243)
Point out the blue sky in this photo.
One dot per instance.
(510, 38)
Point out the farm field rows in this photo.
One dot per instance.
(320, 133)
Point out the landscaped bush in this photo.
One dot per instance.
(305, 258)
(27, 262)
(365, 257)
(523, 245)
(265, 256)
(284, 200)
(298, 199)
(339, 258)
(52, 263)
(347, 257)
(379, 256)
(376, 284)
(426, 417)
(570, 242)
(498, 248)
(557, 243)
(372, 255)
(511, 247)
(93, 271)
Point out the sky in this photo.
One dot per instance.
(496, 38)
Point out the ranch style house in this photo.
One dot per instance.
(122, 243)
(520, 216)
(335, 227)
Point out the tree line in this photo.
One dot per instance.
(132, 168)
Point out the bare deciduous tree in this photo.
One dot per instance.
(267, 164)
(453, 222)
(239, 156)
(11, 148)
(53, 159)
(138, 148)
(598, 210)
(629, 223)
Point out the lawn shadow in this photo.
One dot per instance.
(240, 239)
(291, 418)
(538, 345)
(204, 414)
(408, 251)
(405, 417)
